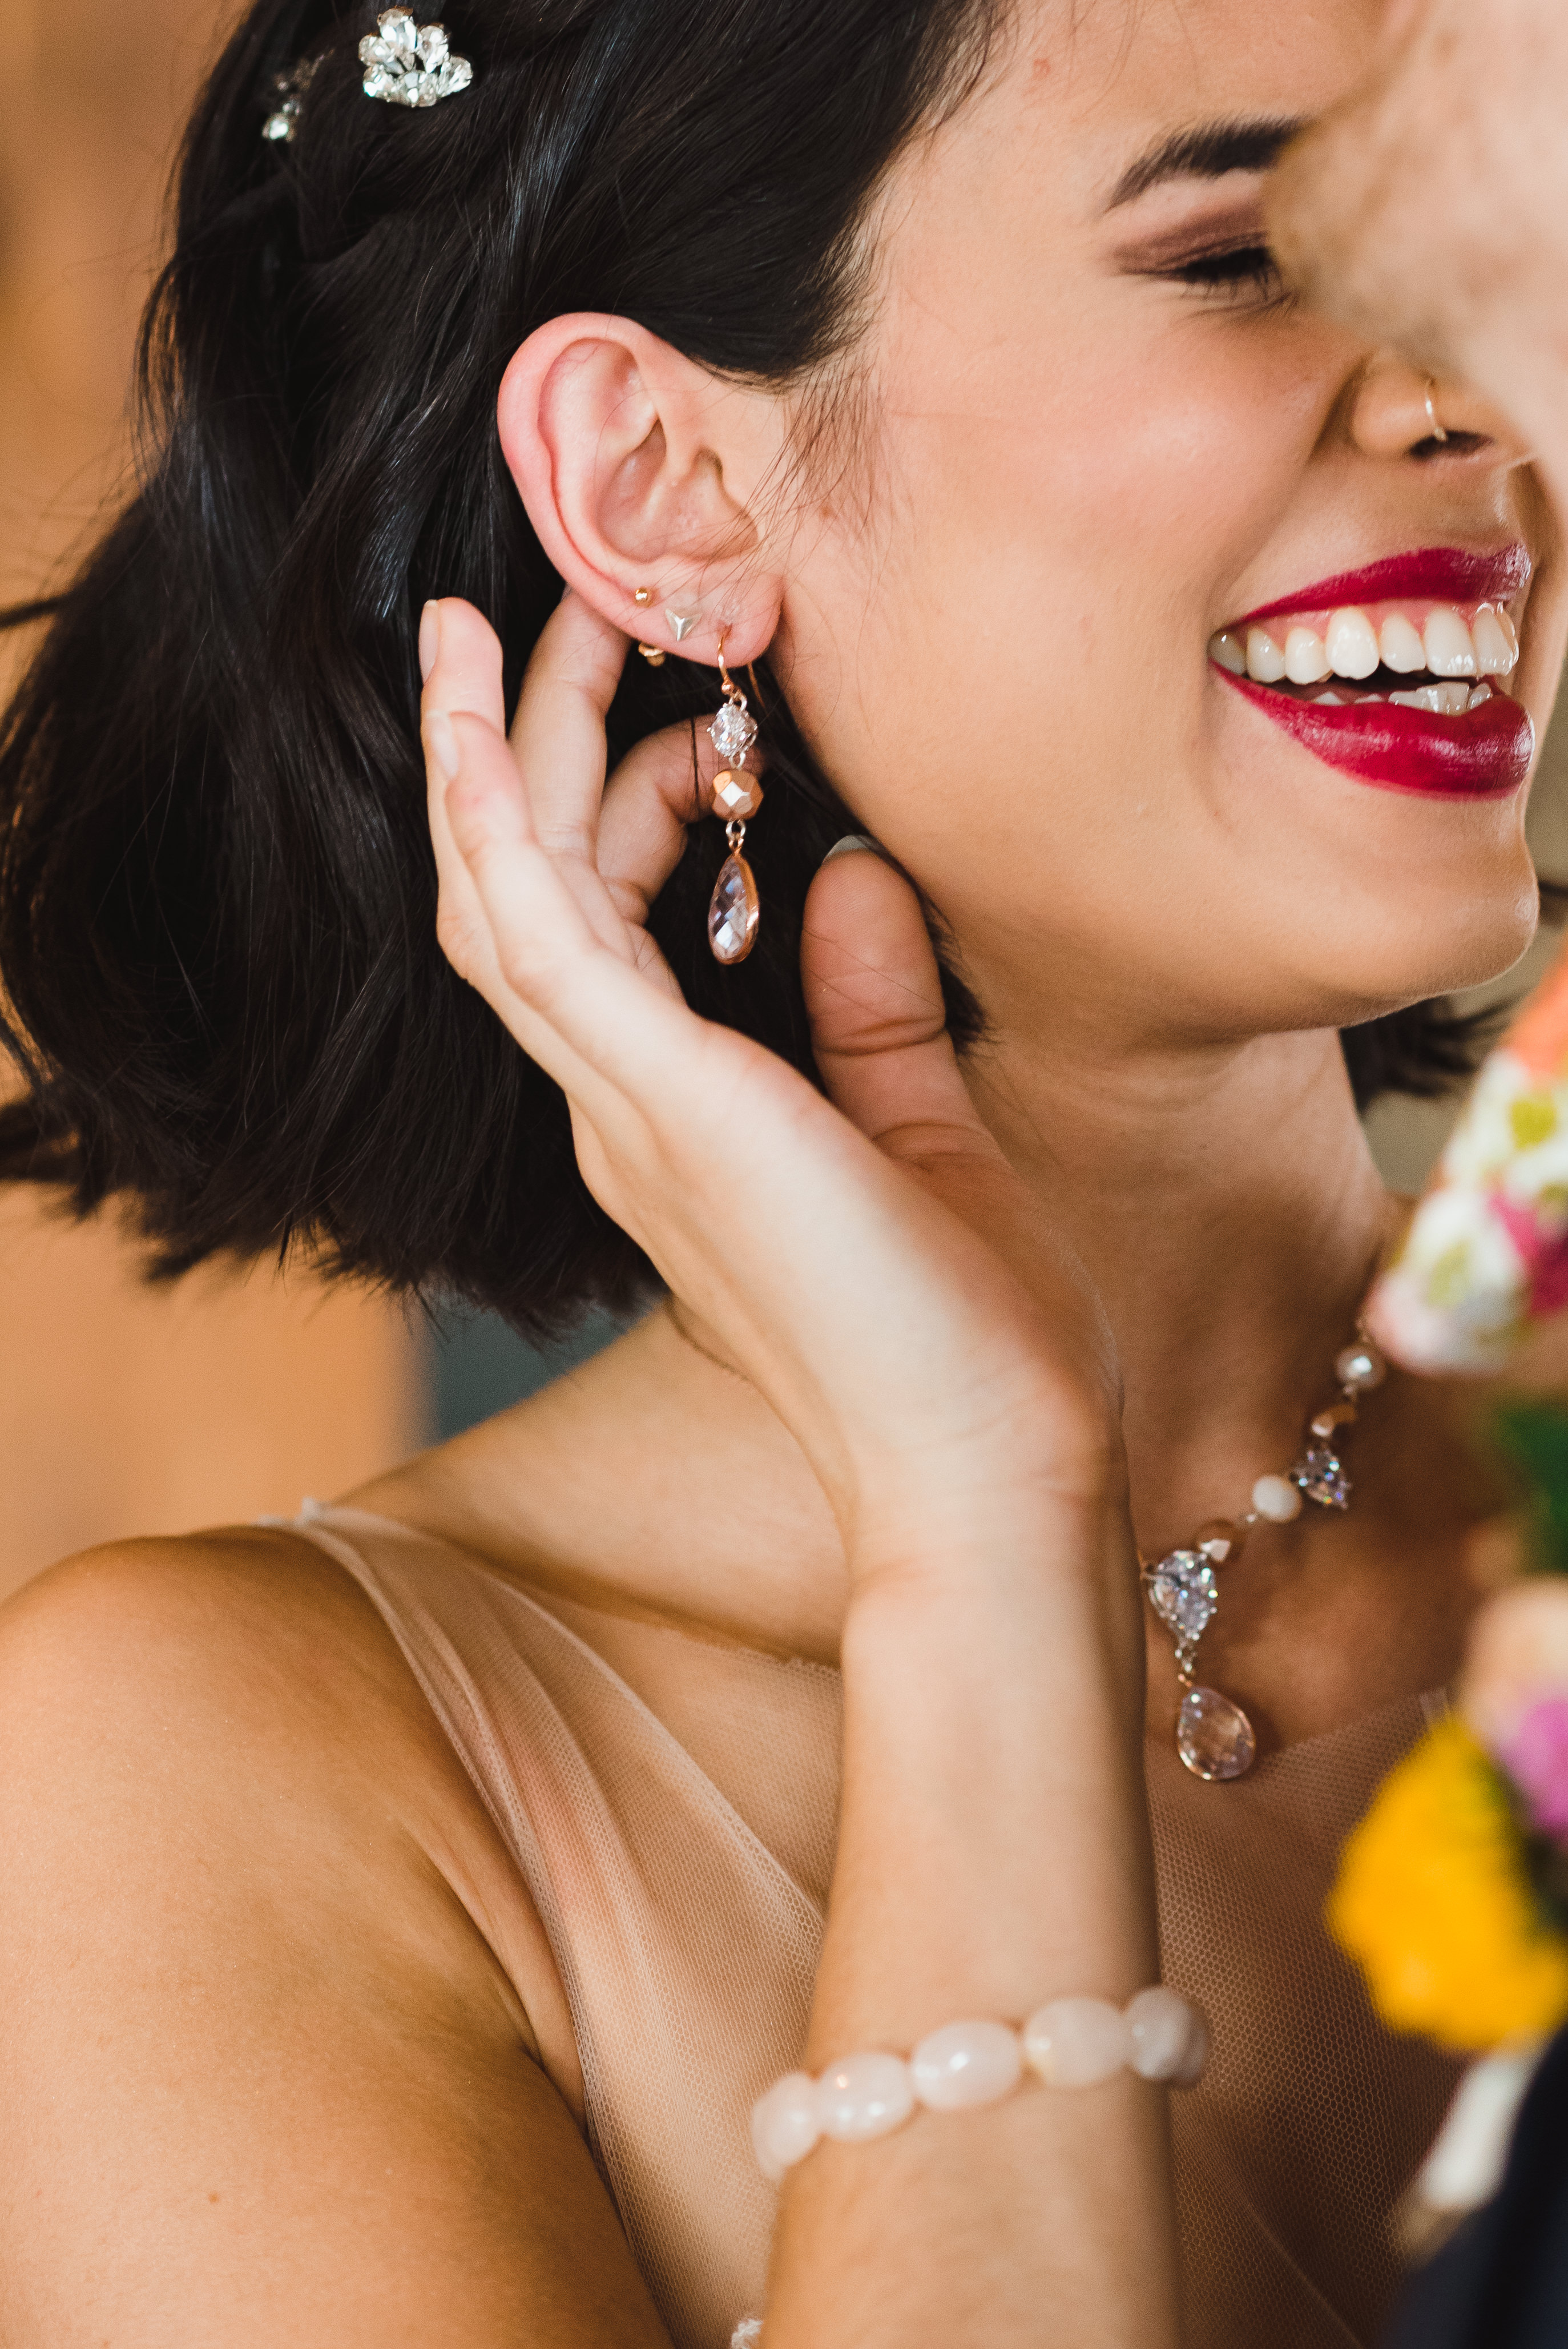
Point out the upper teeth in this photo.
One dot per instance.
(1354, 642)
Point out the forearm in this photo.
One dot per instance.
(993, 1854)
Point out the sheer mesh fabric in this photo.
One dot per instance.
(670, 1803)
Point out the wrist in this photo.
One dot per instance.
(1044, 1609)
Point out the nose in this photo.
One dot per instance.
(1398, 411)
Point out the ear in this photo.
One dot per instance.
(639, 469)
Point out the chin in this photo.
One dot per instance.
(1417, 950)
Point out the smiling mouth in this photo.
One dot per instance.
(1397, 675)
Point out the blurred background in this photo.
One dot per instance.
(125, 1408)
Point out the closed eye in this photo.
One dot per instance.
(1236, 273)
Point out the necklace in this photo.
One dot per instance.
(1213, 1735)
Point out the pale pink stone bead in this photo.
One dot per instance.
(966, 2063)
(1076, 2042)
(864, 2096)
(1166, 2031)
(784, 2124)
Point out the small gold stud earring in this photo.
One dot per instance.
(653, 655)
(645, 595)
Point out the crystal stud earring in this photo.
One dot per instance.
(734, 910)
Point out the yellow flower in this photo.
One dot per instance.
(1434, 1903)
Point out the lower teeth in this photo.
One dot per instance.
(1448, 700)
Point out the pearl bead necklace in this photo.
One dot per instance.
(1213, 1735)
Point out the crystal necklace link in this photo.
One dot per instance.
(1213, 1735)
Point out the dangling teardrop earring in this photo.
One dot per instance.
(734, 910)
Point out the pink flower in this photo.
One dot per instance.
(1536, 1758)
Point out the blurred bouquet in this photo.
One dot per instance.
(1486, 1250)
(1453, 1893)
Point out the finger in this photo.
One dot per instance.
(558, 733)
(464, 674)
(575, 1005)
(878, 1027)
(658, 790)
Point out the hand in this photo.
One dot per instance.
(934, 1377)
(1431, 208)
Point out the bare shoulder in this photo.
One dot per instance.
(252, 2035)
(176, 1685)
(207, 1618)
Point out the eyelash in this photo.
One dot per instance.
(1232, 274)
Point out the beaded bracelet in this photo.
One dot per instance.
(1072, 2042)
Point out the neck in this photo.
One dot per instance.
(1227, 1208)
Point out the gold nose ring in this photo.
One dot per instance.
(1435, 432)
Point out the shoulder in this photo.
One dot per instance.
(228, 1703)
(195, 1731)
(163, 1641)
(246, 1963)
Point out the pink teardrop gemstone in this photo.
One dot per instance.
(1214, 1737)
(733, 911)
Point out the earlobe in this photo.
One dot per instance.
(625, 453)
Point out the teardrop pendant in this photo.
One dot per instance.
(1214, 1737)
(733, 911)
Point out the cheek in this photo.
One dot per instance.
(1061, 527)
(1013, 687)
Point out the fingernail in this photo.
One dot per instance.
(430, 638)
(442, 743)
(850, 844)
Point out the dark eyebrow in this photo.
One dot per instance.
(1207, 153)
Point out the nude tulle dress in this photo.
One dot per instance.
(669, 1806)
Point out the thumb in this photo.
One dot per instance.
(879, 1028)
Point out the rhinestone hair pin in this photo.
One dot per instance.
(410, 65)
(291, 88)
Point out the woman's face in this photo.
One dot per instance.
(1096, 439)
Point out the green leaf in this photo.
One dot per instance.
(1533, 1439)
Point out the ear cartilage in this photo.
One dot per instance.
(682, 622)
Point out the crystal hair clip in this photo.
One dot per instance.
(409, 65)
(291, 88)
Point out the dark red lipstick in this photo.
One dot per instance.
(1479, 751)
(1482, 754)
(1444, 574)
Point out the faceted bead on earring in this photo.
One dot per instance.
(733, 912)
(735, 795)
(734, 730)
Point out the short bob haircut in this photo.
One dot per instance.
(217, 896)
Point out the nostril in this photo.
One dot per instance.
(1452, 444)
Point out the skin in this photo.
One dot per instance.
(1433, 201)
(965, 1338)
